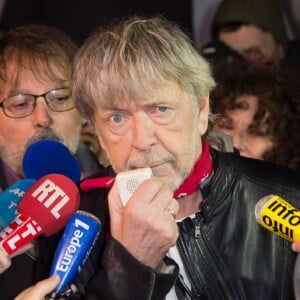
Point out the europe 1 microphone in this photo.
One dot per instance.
(74, 248)
(45, 209)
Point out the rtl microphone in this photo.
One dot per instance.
(10, 198)
(74, 248)
(45, 209)
(49, 157)
(278, 216)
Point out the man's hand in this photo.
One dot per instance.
(5, 261)
(39, 290)
(296, 246)
(144, 226)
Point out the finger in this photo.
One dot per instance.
(170, 212)
(152, 197)
(5, 262)
(114, 199)
(162, 196)
(174, 206)
(153, 191)
(22, 250)
(39, 290)
(296, 246)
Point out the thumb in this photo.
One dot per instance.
(5, 262)
(22, 250)
(114, 199)
(115, 211)
(296, 246)
(40, 290)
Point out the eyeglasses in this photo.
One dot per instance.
(22, 105)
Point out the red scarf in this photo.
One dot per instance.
(201, 171)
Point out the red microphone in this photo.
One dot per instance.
(45, 209)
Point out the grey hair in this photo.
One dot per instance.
(45, 50)
(126, 60)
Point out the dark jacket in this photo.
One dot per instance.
(227, 254)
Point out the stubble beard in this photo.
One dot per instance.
(13, 156)
(174, 172)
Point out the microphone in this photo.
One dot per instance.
(45, 208)
(48, 157)
(278, 216)
(10, 199)
(74, 248)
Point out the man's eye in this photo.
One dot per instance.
(18, 105)
(116, 118)
(61, 99)
(162, 108)
(117, 123)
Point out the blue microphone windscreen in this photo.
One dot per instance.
(47, 157)
(10, 198)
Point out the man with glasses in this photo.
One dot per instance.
(35, 104)
(22, 105)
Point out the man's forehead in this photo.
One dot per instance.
(150, 96)
(125, 104)
(23, 79)
(25, 69)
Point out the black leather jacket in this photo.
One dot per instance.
(227, 255)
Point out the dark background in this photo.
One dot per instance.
(79, 18)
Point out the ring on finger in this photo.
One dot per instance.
(170, 211)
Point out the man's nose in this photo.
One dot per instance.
(41, 114)
(143, 132)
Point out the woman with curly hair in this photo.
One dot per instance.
(256, 107)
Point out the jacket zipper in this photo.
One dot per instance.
(151, 286)
(203, 247)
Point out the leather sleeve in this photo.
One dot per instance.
(124, 277)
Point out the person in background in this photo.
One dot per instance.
(255, 108)
(35, 104)
(255, 30)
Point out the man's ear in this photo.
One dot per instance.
(203, 114)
